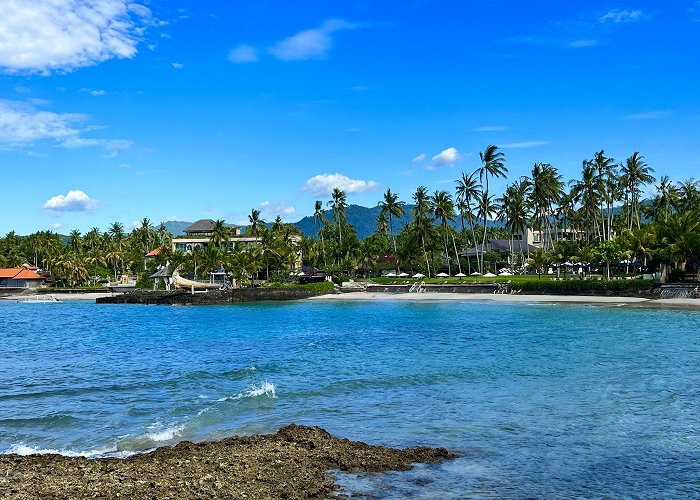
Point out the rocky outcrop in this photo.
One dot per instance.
(183, 297)
(293, 463)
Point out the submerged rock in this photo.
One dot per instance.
(293, 463)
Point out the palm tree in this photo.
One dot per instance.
(338, 203)
(586, 192)
(514, 211)
(487, 209)
(116, 231)
(444, 210)
(220, 234)
(422, 223)
(75, 240)
(635, 174)
(393, 207)
(546, 190)
(256, 223)
(320, 220)
(467, 191)
(492, 165)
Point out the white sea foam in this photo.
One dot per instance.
(264, 389)
(24, 450)
(166, 434)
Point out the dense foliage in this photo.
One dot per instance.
(600, 220)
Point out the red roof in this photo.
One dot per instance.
(19, 274)
(153, 253)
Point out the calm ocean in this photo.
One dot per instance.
(540, 401)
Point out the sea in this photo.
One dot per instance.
(538, 400)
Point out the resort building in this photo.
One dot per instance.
(199, 235)
(542, 239)
(20, 277)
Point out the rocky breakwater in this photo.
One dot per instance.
(293, 463)
(183, 297)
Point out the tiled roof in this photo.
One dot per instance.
(19, 274)
(201, 226)
(153, 253)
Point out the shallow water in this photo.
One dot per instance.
(540, 401)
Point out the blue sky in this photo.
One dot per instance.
(115, 110)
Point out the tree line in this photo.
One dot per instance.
(600, 217)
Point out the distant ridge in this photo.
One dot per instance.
(364, 220)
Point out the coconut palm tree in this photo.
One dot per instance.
(338, 204)
(444, 210)
(392, 207)
(635, 174)
(422, 224)
(546, 191)
(587, 192)
(320, 221)
(492, 165)
(467, 191)
(220, 234)
(256, 224)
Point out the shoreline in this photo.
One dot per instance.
(514, 298)
(296, 462)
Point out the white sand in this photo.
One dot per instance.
(580, 299)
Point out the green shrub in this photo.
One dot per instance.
(584, 287)
(323, 287)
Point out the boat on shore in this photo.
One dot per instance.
(125, 284)
(38, 299)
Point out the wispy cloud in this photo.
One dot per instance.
(73, 201)
(580, 44)
(177, 65)
(272, 210)
(491, 128)
(45, 36)
(524, 144)
(648, 115)
(309, 44)
(23, 123)
(421, 157)
(618, 16)
(323, 184)
(243, 54)
(95, 92)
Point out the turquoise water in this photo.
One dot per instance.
(540, 401)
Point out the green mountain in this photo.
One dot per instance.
(364, 220)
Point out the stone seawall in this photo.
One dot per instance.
(437, 287)
(182, 297)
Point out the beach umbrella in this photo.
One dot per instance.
(392, 274)
(403, 275)
(489, 275)
(475, 273)
(505, 273)
(442, 275)
(460, 275)
(419, 275)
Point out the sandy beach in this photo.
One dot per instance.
(572, 299)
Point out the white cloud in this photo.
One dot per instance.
(524, 144)
(417, 159)
(445, 158)
(22, 123)
(491, 128)
(309, 44)
(323, 184)
(649, 115)
(580, 44)
(74, 201)
(95, 92)
(621, 16)
(57, 225)
(177, 65)
(243, 54)
(43, 36)
(271, 211)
